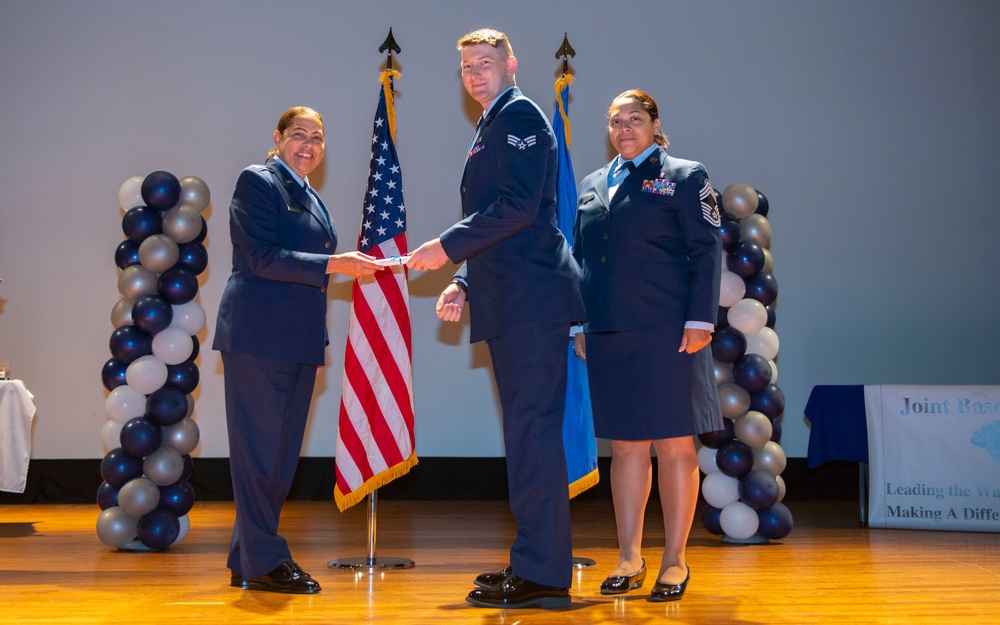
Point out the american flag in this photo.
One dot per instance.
(375, 441)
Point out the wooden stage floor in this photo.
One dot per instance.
(53, 569)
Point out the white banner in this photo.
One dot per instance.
(934, 457)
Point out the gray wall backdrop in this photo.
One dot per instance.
(871, 126)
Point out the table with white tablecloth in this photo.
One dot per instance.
(17, 410)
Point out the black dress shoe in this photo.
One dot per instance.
(621, 584)
(237, 581)
(287, 578)
(669, 592)
(492, 580)
(517, 592)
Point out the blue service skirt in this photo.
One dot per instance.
(642, 388)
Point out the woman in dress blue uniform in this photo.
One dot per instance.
(271, 331)
(647, 238)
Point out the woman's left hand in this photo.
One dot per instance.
(694, 339)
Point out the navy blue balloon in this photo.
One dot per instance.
(758, 489)
(762, 205)
(166, 406)
(118, 467)
(728, 344)
(141, 222)
(127, 254)
(161, 190)
(771, 316)
(159, 529)
(152, 314)
(717, 438)
(177, 497)
(722, 320)
(776, 430)
(745, 259)
(113, 374)
(178, 285)
(752, 372)
(769, 400)
(730, 233)
(775, 522)
(184, 377)
(193, 255)
(712, 519)
(107, 496)
(188, 467)
(128, 343)
(734, 458)
(140, 437)
(762, 287)
(203, 234)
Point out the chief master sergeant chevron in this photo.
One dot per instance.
(525, 289)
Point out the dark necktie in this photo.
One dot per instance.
(621, 168)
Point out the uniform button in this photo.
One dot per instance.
(322, 289)
(463, 189)
(605, 236)
(604, 259)
(327, 244)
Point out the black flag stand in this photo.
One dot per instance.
(565, 50)
(373, 563)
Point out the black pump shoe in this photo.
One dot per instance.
(669, 592)
(621, 584)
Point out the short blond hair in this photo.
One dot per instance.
(490, 37)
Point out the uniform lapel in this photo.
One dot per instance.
(299, 198)
(648, 169)
(602, 185)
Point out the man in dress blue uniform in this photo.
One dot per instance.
(526, 287)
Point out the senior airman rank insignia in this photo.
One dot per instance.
(709, 207)
(519, 143)
(659, 186)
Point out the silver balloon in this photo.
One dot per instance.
(781, 488)
(181, 223)
(190, 408)
(130, 193)
(121, 314)
(723, 372)
(757, 229)
(768, 267)
(115, 528)
(183, 436)
(138, 497)
(164, 466)
(739, 200)
(770, 458)
(194, 193)
(734, 400)
(753, 429)
(135, 282)
(158, 253)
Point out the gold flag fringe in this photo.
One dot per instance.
(587, 481)
(373, 483)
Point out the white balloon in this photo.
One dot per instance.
(190, 316)
(706, 460)
(146, 374)
(173, 345)
(765, 342)
(720, 490)
(130, 193)
(774, 372)
(739, 520)
(732, 289)
(781, 488)
(111, 433)
(747, 315)
(185, 522)
(125, 403)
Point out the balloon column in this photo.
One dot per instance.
(149, 434)
(743, 462)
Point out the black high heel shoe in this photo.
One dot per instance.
(669, 592)
(621, 584)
